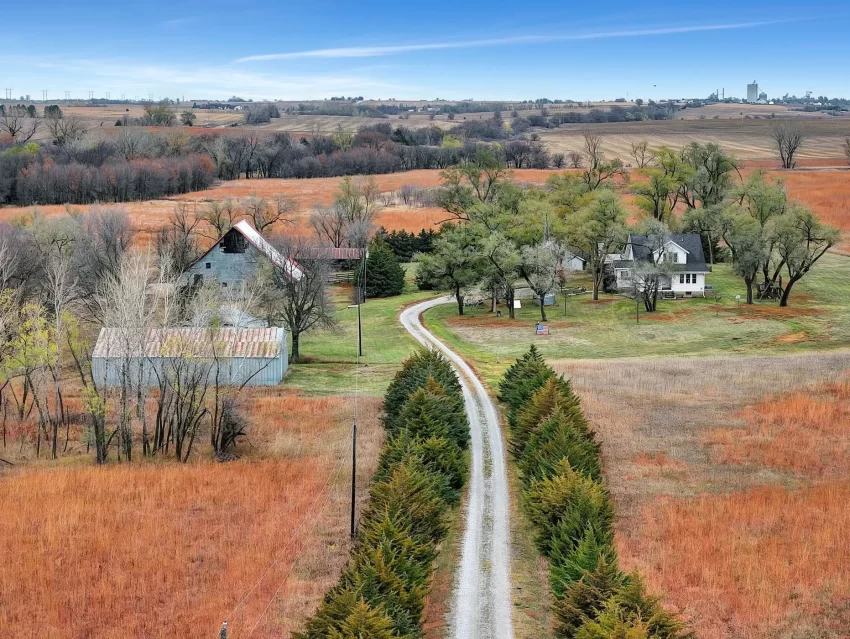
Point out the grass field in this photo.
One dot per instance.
(159, 549)
(818, 317)
(731, 481)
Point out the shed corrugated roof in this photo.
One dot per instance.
(190, 342)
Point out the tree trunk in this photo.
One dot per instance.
(459, 300)
(787, 291)
(295, 336)
(542, 308)
(597, 278)
(710, 249)
(749, 284)
(510, 296)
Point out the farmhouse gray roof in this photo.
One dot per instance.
(642, 245)
(189, 342)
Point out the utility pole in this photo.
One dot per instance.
(67, 95)
(353, 468)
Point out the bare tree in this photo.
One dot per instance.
(264, 214)
(330, 224)
(176, 243)
(66, 129)
(593, 150)
(788, 135)
(134, 142)
(220, 215)
(20, 124)
(575, 159)
(129, 311)
(60, 292)
(300, 302)
(642, 154)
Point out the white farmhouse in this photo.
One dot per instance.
(681, 251)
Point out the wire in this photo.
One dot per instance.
(307, 516)
(285, 578)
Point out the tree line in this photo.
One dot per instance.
(421, 471)
(566, 500)
(502, 233)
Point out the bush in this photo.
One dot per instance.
(384, 276)
(414, 375)
(440, 455)
(430, 412)
(564, 506)
(559, 439)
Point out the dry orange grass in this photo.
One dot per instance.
(805, 432)
(166, 550)
(151, 215)
(827, 193)
(731, 483)
(766, 562)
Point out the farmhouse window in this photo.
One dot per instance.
(208, 265)
(681, 279)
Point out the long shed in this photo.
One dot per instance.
(236, 356)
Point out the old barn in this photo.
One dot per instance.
(233, 356)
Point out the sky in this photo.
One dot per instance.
(492, 50)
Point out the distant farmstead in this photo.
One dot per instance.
(228, 356)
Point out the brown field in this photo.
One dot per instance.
(746, 140)
(151, 215)
(731, 479)
(159, 549)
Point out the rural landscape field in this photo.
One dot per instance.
(411, 322)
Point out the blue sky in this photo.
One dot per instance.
(419, 50)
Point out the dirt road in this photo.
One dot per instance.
(481, 605)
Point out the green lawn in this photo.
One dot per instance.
(818, 316)
(331, 355)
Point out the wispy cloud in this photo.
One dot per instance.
(376, 51)
(135, 77)
(177, 22)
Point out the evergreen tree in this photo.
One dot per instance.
(384, 276)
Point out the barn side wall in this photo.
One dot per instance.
(258, 371)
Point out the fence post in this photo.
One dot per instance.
(222, 634)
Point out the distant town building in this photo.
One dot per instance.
(753, 92)
(762, 97)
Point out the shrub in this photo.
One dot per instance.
(414, 375)
(559, 439)
(384, 276)
(343, 615)
(412, 495)
(554, 394)
(571, 511)
(431, 412)
(583, 598)
(564, 506)
(439, 455)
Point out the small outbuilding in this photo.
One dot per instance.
(232, 356)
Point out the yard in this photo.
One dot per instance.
(818, 316)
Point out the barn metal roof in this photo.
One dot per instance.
(330, 253)
(288, 265)
(190, 342)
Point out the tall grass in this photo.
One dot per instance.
(158, 549)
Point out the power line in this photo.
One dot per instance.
(286, 576)
(293, 536)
